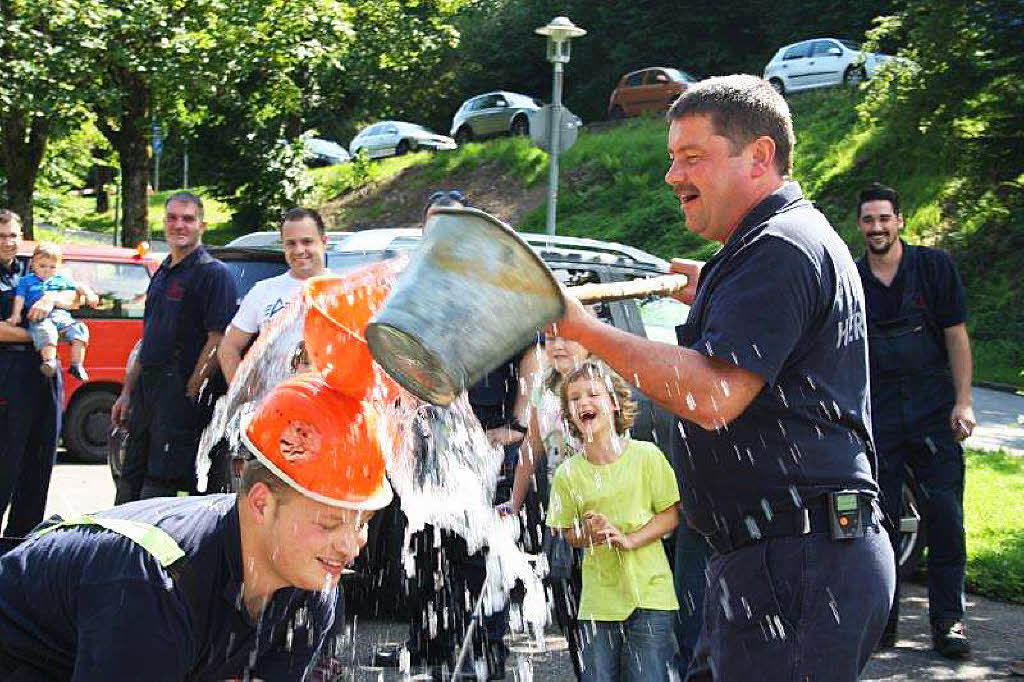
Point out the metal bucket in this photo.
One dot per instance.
(474, 294)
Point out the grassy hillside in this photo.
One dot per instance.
(612, 187)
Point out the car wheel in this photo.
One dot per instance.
(854, 76)
(464, 135)
(913, 536)
(778, 85)
(87, 430)
(402, 148)
(616, 113)
(520, 126)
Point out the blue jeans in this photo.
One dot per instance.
(640, 648)
(58, 325)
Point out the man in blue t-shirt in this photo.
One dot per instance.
(166, 400)
(921, 401)
(774, 451)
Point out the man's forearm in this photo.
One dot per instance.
(12, 334)
(958, 345)
(229, 359)
(708, 392)
(207, 362)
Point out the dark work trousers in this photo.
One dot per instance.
(805, 608)
(30, 419)
(938, 465)
(163, 437)
(690, 576)
(14, 671)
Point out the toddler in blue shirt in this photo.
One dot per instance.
(58, 325)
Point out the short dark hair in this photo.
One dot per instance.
(742, 108)
(299, 213)
(255, 472)
(9, 217)
(187, 198)
(879, 192)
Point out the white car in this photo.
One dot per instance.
(820, 63)
(394, 138)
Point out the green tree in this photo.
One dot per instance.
(38, 97)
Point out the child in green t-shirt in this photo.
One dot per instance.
(617, 500)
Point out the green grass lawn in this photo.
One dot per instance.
(994, 516)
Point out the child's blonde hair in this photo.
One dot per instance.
(618, 389)
(48, 250)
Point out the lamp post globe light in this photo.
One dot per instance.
(559, 32)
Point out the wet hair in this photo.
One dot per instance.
(187, 198)
(9, 217)
(742, 108)
(48, 250)
(298, 213)
(255, 472)
(879, 192)
(618, 389)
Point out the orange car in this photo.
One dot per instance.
(647, 90)
(120, 277)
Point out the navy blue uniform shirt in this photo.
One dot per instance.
(89, 605)
(912, 388)
(183, 303)
(937, 280)
(781, 299)
(9, 278)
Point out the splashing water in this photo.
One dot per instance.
(439, 461)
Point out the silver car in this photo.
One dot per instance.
(394, 138)
(820, 63)
(494, 113)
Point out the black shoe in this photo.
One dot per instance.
(888, 641)
(951, 640)
(78, 372)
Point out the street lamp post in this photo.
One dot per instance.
(559, 32)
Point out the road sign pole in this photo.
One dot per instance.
(554, 130)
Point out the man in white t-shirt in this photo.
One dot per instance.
(304, 238)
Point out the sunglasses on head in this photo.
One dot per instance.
(451, 195)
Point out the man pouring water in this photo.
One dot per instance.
(774, 451)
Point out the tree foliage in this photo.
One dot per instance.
(38, 97)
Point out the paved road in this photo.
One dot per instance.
(1000, 421)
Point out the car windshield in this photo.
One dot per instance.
(417, 127)
(324, 147)
(517, 100)
(851, 44)
(680, 76)
(248, 272)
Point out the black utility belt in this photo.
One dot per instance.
(843, 514)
